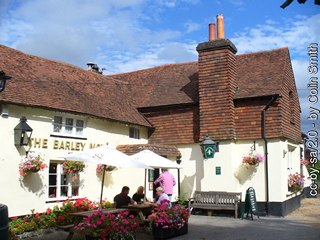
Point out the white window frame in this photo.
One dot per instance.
(63, 131)
(136, 132)
(58, 184)
(290, 157)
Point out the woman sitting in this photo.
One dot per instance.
(139, 195)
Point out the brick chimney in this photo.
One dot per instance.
(217, 85)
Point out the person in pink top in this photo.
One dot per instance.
(166, 181)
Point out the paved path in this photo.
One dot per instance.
(226, 228)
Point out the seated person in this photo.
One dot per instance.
(139, 195)
(163, 200)
(122, 199)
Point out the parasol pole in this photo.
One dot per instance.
(145, 184)
(103, 173)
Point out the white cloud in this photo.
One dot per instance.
(296, 34)
(192, 26)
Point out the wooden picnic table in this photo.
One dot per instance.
(87, 213)
(140, 208)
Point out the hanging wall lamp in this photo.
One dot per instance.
(22, 133)
(208, 147)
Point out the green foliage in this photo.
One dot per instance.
(288, 2)
(183, 199)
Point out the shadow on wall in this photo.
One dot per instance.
(196, 154)
(244, 173)
(188, 185)
(33, 183)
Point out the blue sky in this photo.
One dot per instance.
(126, 35)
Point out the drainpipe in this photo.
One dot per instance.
(273, 98)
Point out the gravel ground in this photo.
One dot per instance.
(309, 212)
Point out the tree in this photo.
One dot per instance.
(288, 2)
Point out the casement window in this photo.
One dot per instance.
(290, 157)
(134, 132)
(62, 185)
(68, 126)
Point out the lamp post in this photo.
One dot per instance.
(3, 80)
(208, 147)
(22, 133)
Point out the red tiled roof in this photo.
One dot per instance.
(258, 74)
(261, 73)
(49, 84)
(54, 85)
(163, 85)
(163, 150)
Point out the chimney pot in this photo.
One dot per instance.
(220, 26)
(212, 32)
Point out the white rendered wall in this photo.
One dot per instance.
(31, 192)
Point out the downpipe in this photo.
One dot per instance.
(273, 99)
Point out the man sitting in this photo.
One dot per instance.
(122, 199)
(163, 199)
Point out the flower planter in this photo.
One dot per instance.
(112, 238)
(34, 170)
(91, 238)
(160, 233)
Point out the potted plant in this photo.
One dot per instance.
(295, 182)
(100, 225)
(31, 164)
(73, 166)
(252, 159)
(169, 222)
(109, 168)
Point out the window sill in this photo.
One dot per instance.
(57, 200)
(290, 194)
(68, 136)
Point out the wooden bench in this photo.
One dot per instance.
(216, 201)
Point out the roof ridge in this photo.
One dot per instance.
(154, 67)
(264, 51)
(42, 58)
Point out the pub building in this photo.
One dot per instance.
(240, 103)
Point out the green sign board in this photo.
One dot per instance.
(218, 170)
(208, 151)
(250, 205)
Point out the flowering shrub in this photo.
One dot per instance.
(295, 182)
(52, 217)
(31, 164)
(73, 166)
(174, 217)
(109, 168)
(121, 225)
(62, 214)
(253, 159)
(31, 222)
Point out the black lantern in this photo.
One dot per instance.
(3, 79)
(178, 160)
(22, 133)
(208, 147)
